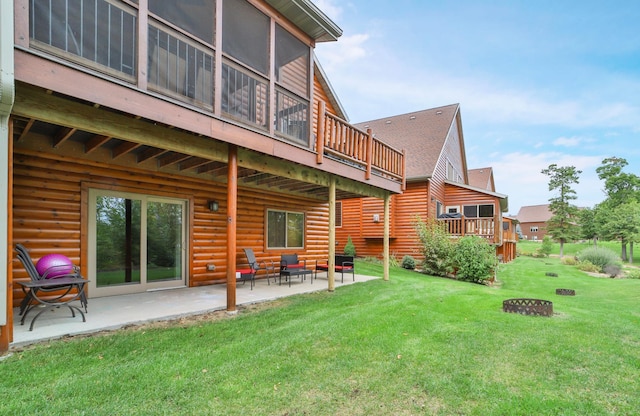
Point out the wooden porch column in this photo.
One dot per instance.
(367, 174)
(232, 212)
(6, 326)
(387, 203)
(331, 273)
(320, 136)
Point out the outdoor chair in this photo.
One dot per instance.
(267, 265)
(60, 291)
(244, 275)
(343, 264)
(291, 265)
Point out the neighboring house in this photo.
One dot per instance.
(533, 221)
(151, 141)
(438, 183)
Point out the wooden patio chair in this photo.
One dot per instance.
(267, 265)
(61, 291)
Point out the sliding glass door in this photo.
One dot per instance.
(136, 242)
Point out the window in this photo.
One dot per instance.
(245, 34)
(285, 229)
(534, 229)
(338, 213)
(194, 17)
(93, 31)
(478, 211)
(453, 210)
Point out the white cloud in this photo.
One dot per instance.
(567, 141)
(329, 8)
(337, 57)
(519, 176)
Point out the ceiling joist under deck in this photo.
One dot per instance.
(151, 145)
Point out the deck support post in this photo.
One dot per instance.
(331, 265)
(387, 203)
(232, 212)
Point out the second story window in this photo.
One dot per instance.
(89, 32)
(180, 58)
(292, 77)
(245, 44)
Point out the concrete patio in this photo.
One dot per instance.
(113, 312)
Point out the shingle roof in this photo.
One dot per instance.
(534, 213)
(482, 178)
(422, 134)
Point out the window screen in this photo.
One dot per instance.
(485, 211)
(245, 34)
(292, 62)
(194, 16)
(470, 211)
(98, 31)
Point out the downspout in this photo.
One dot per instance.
(7, 90)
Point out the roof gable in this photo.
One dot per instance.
(308, 17)
(534, 213)
(482, 178)
(422, 134)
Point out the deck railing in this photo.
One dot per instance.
(482, 227)
(338, 139)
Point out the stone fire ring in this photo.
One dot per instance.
(566, 292)
(525, 306)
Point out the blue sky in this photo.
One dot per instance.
(538, 82)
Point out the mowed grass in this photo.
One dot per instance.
(414, 345)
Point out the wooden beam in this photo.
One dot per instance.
(63, 135)
(149, 153)
(263, 163)
(32, 102)
(172, 159)
(26, 129)
(124, 148)
(95, 142)
(232, 212)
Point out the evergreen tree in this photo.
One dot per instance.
(562, 225)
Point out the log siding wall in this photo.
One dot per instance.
(48, 214)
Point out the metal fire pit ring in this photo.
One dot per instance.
(526, 306)
(565, 292)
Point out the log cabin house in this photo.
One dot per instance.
(150, 141)
(533, 221)
(438, 184)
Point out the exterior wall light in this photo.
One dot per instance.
(213, 206)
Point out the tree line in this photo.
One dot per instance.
(617, 217)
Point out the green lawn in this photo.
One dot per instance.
(415, 345)
(571, 249)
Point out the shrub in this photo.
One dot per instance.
(435, 245)
(349, 248)
(599, 256)
(474, 259)
(587, 266)
(632, 273)
(547, 246)
(408, 262)
(612, 269)
(569, 261)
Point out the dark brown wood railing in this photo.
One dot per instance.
(341, 140)
(482, 227)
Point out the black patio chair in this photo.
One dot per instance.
(267, 265)
(61, 291)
